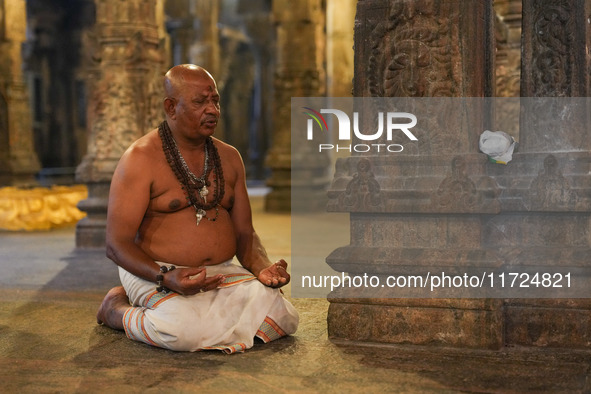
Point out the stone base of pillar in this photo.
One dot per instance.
(91, 231)
(558, 323)
(462, 323)
(19, 168)
(530, 216)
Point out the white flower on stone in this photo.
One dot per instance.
(498, 145)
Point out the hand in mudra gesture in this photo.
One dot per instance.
(192, 280)
(275, 275)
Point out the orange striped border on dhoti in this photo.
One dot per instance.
(235, 279)
(133, 323)
(157, 297)
(269, 330)
(228, 349)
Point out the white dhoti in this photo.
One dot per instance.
(227, 318)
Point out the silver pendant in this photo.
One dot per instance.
(200, 215)
(203, 193)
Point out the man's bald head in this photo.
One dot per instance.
(178, 76)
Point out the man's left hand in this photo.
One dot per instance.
(275, 275)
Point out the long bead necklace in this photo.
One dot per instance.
(190, 183)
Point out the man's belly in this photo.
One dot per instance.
(176, 238)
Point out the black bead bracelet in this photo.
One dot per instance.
(160, 278)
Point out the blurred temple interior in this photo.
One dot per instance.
(81, 81)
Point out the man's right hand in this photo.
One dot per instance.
(191, 280)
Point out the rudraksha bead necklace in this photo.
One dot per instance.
(190, 183)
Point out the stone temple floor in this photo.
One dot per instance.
(50, 342)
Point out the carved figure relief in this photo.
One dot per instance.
(363, 191)
(458, 193)
(551, 190)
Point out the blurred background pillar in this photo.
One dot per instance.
(124, 57)
(300, 72)
(18, 160)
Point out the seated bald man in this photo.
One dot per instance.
(178, 214)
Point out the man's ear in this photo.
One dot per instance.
(170, 107)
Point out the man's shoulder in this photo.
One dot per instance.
(145, 147)
(139, 162)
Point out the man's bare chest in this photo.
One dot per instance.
(169, 195)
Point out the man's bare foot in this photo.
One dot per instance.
(112, 308)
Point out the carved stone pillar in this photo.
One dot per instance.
(552, 167)
(299, 73)
(530, 216)
(18, 160)
(125, 94)
(404, 209)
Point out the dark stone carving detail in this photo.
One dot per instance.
(555, 63)
(363, 192)
(554, 48)
(458, 193)
(410, 53)
(421, 49)
(553, 42)
(551, 190)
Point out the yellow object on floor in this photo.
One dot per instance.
(40, 208)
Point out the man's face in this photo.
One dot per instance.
(198, 107)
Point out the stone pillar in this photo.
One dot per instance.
(18, 159)
(125, 99)
(299, 73)
(259, 27)
(340, 18)
(205, 50)
(551, 213)
(415, 48)
(532, 215)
